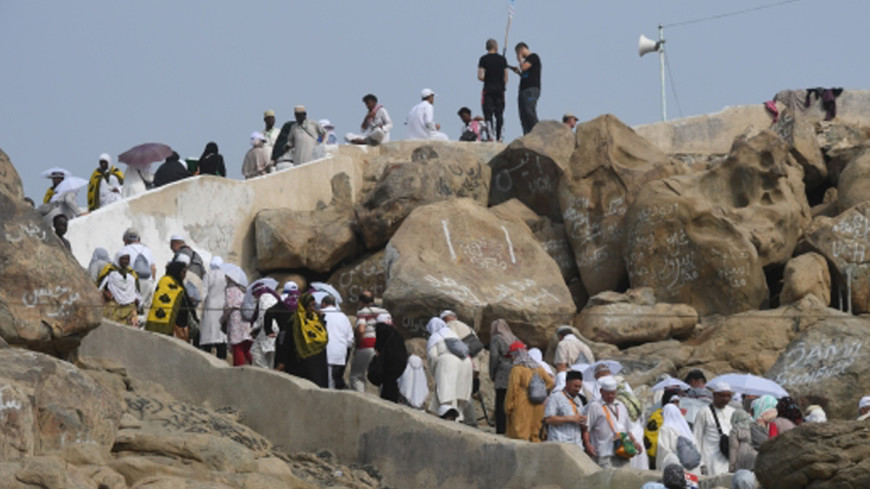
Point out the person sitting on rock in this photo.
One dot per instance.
(473, 129)
(421, 119)
(121, 291)
(571, 350)
(376, 125)
(171, 170)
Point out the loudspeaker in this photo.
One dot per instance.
(646, 45)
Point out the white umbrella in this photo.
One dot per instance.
(235, 273)
(748, 384)
(69, 184)
(671, 382)
(328, 289)
(48, 173)
(589, 374)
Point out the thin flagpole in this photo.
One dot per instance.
(508, 28)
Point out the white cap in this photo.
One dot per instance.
(257, 135)
(445, 313)
(290, 286)
(176, 237)
(608, 383)
(426, 93)
(721, 387)
(385, 318)
(325, 123)
(864, 402)
(105, 157)
(182, 258)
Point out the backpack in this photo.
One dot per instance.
(689, 456)
(142, 267)
(473, 343)
(456, 347)
(309, 334)
(537, 389)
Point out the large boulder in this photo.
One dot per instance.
(843, 241)
(530, 168)
(610, 164)
(48, 405)
(47, 301)
(854, 185)
(704, 239)
(366, 273)
(752, 341)
(10, 182)
(634, 318)
(841, 144)
(434, 173)
(806, 274)
(317, 240)
(830, 363)
(458, 255)
(832, 455)
(800, 134)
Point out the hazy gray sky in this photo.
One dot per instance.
(86, 77)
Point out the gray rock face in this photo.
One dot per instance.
(831, 362)
(806, 274)
(832, 455)
(634, 318)
(800, 134)
(703, 239)
(366, 273)
(458, 255)
(530, 169)
(47, 405)
(609, 166)
(843, 241)
(317, 240)
(47, 300)
(10, 182)
(435, 173)
(854, 184)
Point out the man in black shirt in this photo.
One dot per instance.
(529, 69)
(492, 71)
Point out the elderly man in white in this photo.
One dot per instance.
(421, 120)
(710, 425)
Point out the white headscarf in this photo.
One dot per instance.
(412, 383)
(674, 418)
(537, 356)
(122, 286)
(215, 262)
(438, 330)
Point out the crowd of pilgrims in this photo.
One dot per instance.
(575, 400)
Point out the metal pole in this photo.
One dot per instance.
(662, 70)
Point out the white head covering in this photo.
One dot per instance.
(125, 251)
(445, 313)
(426, 92)
(608, 383)
(105, 157)
(326, 124)
(385, 318)
(864, 402)
(815, 414)
(290, 286)
(435, 325)
(438, 330)
(182, 258)
(215, 262)
(721, 387)
(257, 136)
(671, 416)
(536, 355)
(176, 237)
(412, 383)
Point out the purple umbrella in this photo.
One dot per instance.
(141, 157)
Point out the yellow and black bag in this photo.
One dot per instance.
(309, 332)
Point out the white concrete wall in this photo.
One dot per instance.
(410, 448)
(214, 214)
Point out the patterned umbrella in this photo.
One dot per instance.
(141, 157)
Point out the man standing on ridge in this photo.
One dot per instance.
(492, 71)
(303, 136)
(529, 69)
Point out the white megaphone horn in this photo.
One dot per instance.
(646, 45)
